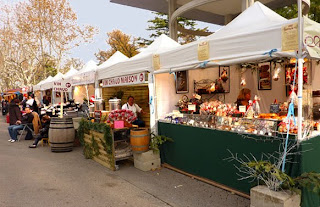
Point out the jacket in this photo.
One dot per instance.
(36, 122)
(27, 118)
(45, 128)
(14, 113)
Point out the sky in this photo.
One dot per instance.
(106, 17)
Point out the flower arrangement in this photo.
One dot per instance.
(121, 115)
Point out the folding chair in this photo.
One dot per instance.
(27, 127)
(32, 127)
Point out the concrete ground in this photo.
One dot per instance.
(38, 178)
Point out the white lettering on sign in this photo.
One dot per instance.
(124, 80)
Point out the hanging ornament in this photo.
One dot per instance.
(243, 82)
(213, 87)
(276, 76)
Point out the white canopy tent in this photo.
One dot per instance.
(37, 87)
(256, 35)
(68, 75)
(249, 37)
(44, 82)
(115, 58)
(86, 74)
(48, 84)
(142, 62)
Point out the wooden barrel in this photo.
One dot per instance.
(139, 139)
(61, 134)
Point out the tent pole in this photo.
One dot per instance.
(87, 93)
(61, 104)
(300, 70)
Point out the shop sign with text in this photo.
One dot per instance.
(124, 80)
(62, 86)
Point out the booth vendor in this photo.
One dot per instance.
(130, 105)
(244, 97)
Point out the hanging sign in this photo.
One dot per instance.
(289, 35)
(62, 86)
(203, 51)
(311, 37)
(137, 78)
(156, 62)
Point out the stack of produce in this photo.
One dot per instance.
(121, 115)
(217, 108)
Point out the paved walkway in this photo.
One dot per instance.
(38, 178)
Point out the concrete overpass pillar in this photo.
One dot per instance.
(246, 4)
(173, 28)
(228, 18)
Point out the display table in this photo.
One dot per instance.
(202, 152)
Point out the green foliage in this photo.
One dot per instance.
(309, 181)
(103, 118)
(87, 151)
(264, 170)
(157, 140)
(159, 25)
(92, 149)
(290, 12)
(95, 146)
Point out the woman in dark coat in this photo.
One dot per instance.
(14, 112)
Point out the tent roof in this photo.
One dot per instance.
(89, 66)
(115, 58)
(141, 62)
(255, 17)
(47, 79)
(57, 77)
(70, 73)
(161, 44)
(249, 37)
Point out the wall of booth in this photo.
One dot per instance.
(80, 92)
(167, 97)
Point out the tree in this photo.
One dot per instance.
(290, 12)
(37, 35)
(118, 41)
(186, 29)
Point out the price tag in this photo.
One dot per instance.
(97, 116)
(118, 124)
(192, 107)
(197, 96)
(242, 109)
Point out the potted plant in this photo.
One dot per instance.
(275, 187)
